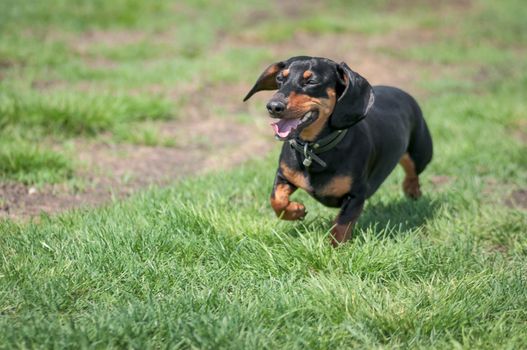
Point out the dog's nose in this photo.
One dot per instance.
(275, 107)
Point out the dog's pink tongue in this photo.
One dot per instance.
(283, 127)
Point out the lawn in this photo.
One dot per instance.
(204, 263)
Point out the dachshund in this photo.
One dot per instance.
(342, 138)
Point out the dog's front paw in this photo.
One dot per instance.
(294, 211)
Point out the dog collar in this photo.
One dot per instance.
(311, 149)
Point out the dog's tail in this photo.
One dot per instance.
(420, 148)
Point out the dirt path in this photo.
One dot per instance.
(207, 141)
(110, 171)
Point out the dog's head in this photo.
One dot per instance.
(313, 92)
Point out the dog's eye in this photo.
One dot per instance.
(280, 79)
(311, 82)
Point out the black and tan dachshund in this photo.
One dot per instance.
(342, 137)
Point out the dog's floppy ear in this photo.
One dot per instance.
(267, 80)
(355, 100)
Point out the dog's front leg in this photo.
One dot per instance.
(348, 215)
(283, 207)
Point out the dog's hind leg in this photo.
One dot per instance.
(411, 185)
(417, 156)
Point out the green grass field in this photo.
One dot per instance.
(204, 263)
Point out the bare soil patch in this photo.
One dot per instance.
(519, 130)
(107, 38)
(440, 181)
(517, 199)
(117, 170)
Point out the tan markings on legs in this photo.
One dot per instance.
(297, 178)
(340, 233)
(284, 208)
(337, 187)
(411, 181)
(325, 108)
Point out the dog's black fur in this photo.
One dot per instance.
(392, 131)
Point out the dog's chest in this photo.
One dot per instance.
(323, 186)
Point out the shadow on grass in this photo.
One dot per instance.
(385, 220)
(388, 220)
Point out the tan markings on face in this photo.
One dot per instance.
(411, 185)
(307, 74)
(297, 178)
(325, 107)
(337, 187)
(300, 104)
(285, 73)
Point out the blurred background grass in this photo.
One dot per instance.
(72, 69)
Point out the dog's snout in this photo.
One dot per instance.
(276, 107)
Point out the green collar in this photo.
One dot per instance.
(311, 149)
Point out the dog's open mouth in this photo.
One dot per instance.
(286, 127)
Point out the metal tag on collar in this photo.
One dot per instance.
(307, 161)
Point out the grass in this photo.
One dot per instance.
(72, 114)
(29, 163)
(204, 263)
